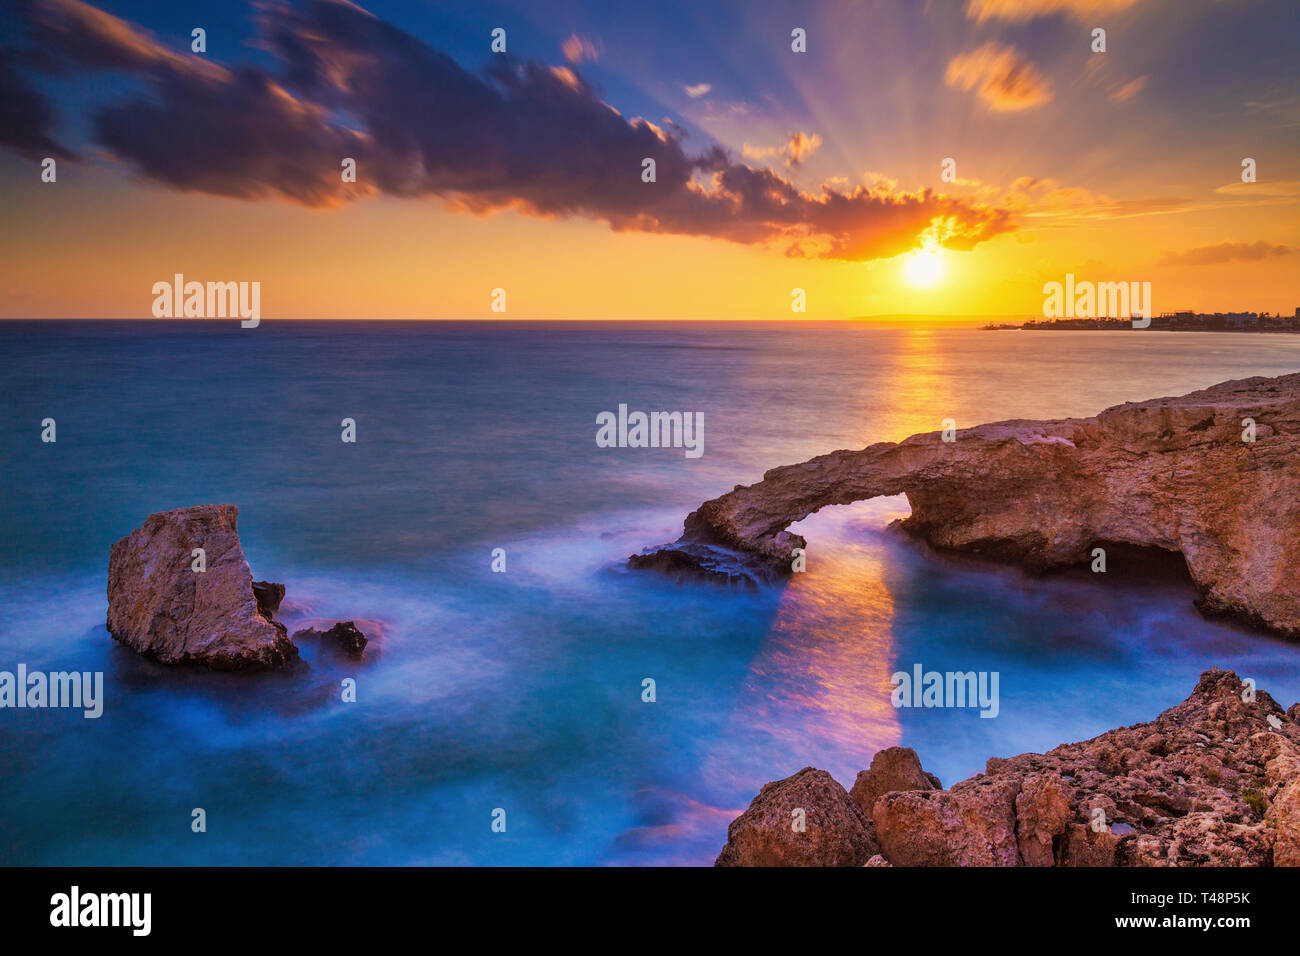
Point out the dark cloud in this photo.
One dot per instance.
(26, 117)
(520, 135)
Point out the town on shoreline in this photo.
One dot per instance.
(1172, 322)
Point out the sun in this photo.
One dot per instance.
(924, 268)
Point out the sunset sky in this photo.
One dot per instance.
(774, 169)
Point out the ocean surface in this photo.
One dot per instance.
(523, 690)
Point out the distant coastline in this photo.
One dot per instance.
(1171, 322)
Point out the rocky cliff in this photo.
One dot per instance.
(1213, 781)
(1177, 474)
(160, 605)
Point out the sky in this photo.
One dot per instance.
(941, 158)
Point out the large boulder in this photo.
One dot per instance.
(894, 768)
(159, 606)
(974, 824)
(830, 830)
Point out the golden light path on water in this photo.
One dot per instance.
(818, 687)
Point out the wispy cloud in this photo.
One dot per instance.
(579, 49)
(1129, 90)
(698, 90)
(1005, 79)
(1021, 10)
(1226, 252)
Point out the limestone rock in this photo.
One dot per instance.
(974, 824)
(1169, 473)
(160, 607)
(1209, 782)
(894, 768)
(835, 831)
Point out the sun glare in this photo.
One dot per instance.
(924, 268)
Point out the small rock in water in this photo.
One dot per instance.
(344, 636)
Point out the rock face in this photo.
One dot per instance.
(894, 768)
(1170, 473)
(344, 637)
(835, 831)
(1213, 781)
(160, 607)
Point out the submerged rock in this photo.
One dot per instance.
(1210, 782)
(1171, 473)
(718, 565)
(806, 819)
(344, 636)
(159, 606)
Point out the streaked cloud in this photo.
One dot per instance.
(1003, 77)
(1226, 252)
(1129, 90)
(1021, 10)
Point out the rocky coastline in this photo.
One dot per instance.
(1213, 781)
(1213, 475)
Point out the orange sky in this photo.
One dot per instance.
(1142, 202)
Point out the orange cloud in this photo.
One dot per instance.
(578, 49)
(1021, 10)
(1129, 90)
(1002, 76)
(1226, 252)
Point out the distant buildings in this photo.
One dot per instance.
(1183, 321)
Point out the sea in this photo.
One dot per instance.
(508, 717)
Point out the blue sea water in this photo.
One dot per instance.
(522, 691)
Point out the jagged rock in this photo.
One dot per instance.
(1170, 473)
(160, 607)
(269, 595)
(719, 565)
(835, 831)
(974, 824)
(344, 636)
(877, 860)
(894, 768)
(1042, 815)
(1294, 712)
(1209, 782)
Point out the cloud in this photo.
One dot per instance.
(698, 90)
(26, 118)
(1003, 77)
(798, 147)
(1129, 90)
(578, 49)
(1022, 10)
(1263, 188)
(1047, 199)
(521, 135)
(1226, 252)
